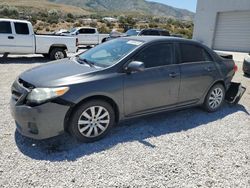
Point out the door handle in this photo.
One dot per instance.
(173, 74)
(10, 37)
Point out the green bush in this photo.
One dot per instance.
(93, 24)
(8, 11)
(53, 16)
(104, 29)
(77, 24)
(69, 15)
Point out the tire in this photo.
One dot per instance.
(215, 98)
(87, 129)
(57, 53)
(104, 40)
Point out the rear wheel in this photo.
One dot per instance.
(57, 53)
(92, 121)
(104, 40)
(215, 98)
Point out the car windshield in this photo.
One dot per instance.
(72, 30)
(109, 53)
(132, 32)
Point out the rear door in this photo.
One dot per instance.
(88, 36)
(198, 72)
(7, 43)
(157, 86)
(24, 38)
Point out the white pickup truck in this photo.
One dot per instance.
(87, 35)
(17, 37)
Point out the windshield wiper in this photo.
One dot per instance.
(90, 63)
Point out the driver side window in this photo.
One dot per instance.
(156, 55)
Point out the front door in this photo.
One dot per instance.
(7, 43)
(155, 88)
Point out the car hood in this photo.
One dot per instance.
(57, 73)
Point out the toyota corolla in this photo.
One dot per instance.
(88, 94)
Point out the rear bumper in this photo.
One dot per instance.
(246, 66)
(235, 93)
(40, 122)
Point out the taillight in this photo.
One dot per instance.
(76, 41)
(235, 68)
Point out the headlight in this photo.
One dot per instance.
(39, 95)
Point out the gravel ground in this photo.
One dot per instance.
(188, 148)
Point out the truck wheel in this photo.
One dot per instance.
(104, 40)
(92, 121)
(215, 98)
(57, 53)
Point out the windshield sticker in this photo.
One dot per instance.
(134, 42)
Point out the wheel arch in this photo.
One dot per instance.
(222, 82)
(94, 97)
(63, 46)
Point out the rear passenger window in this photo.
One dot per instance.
(150, 32)
(21, 28)
(165, 33)
(87, 31)
(5, 27)
(156, 55)
(193, 53)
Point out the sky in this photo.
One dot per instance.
(184, 4)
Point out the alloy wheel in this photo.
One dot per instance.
(59, 55)
(93, 121)
(216, 98)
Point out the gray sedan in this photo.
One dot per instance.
(124, 78)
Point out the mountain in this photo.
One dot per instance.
(130, 6)
(30, 6)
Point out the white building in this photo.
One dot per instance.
(223, 24)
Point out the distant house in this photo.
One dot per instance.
(223, 24)
(110, 19)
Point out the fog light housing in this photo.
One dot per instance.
(32, 128)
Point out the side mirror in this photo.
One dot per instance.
(135, 66)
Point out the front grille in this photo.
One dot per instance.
(25, 84)
(20, 89)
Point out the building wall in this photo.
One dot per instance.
(206, 16)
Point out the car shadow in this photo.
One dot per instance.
(64, 147)
(23, 60)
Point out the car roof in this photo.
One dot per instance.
(85, 27)
(14, 20)
(147, 39)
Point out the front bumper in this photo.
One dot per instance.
(39, 122)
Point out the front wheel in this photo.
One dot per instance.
(215, 98)
(92, 121)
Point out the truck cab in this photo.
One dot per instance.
(88, 35)
(16, 36)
